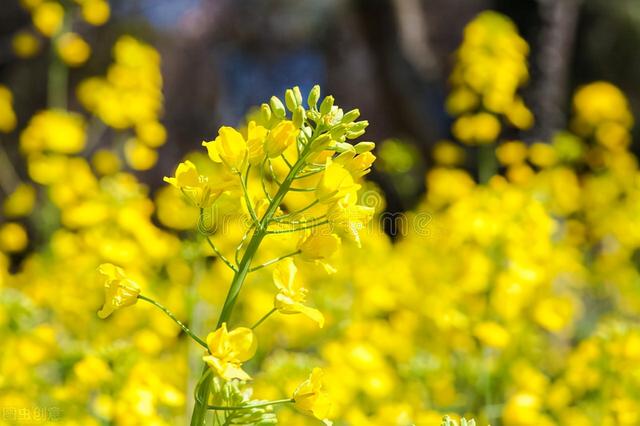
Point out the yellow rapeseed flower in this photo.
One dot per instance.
(20, 202)
(511, 152)
(54, 130)
(195, 186)
(47, 17)
(336, 183)
(228, 350)
(280, 138)
(105, 162)
(120, 291)
(349, 218)
(151, 133)
(72, 49)
(95, 12)
(25, 44)
(311, 398)
(291, 296)
(256, 135)
(138, 155)
(229, 147)
(13, 237)
(357, 165)
(318, 246)
(8, 119)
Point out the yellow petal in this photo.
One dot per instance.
(243, 342)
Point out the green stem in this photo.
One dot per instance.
(8, 176)
(220, 255)
(272, 261)
(302, 228)
(200, 408)
(244, 183)
(261, 320)
(301, 222)
(246, 407)
(58, 73)
(487, 163)
(177, 321)
(296, 213)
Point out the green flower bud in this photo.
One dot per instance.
(313, 97)
(277, 107)
(344, 147)
(363, 147)
(326, 105)
(337, 132)
(321, 142)
(298, 95)
(358, 125)
(290, 100)
(298, 117)
(351, 116)
(265, 112)
(354, 135)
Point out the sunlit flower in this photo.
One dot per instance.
(229, 148)
(319, 246)
(95, 12)
(120, 291)
(336, 182)
(72, 49)
(280, 138)
(349, 218)
(47, 17)
(228, 350)
(291, 296)
(195, 186)
(8, 119)
(311, 398)
(25, 44)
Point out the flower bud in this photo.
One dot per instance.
(277, 107)
(298, 117)
(279, 138)
(351, 116)
(265, 112)
(326, 105)
(363, 147)
(344, 147)
(314, 95)
(321, 142)
(290, 100)
(297, 94)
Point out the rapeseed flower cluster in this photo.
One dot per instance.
(491, 65)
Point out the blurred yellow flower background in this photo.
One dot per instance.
(513, 299)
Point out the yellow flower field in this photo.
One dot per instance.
(256, 285)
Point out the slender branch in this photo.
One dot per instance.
(249, 406)
(315, 172)
(177, 321)
(288, 231)
(221, 256)
(9, 178)
(244, 183)
(286, 161)
(272, 261)
(264, 183)
(302, 221)
(294, 214)
(302, 189)
(273, 174)
(261, 320)
(239, 247)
